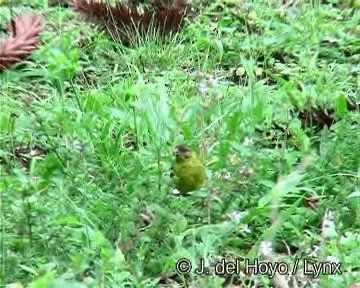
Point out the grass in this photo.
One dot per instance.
(96, 208)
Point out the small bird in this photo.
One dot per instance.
(189, 170)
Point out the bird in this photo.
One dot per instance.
(188, 169)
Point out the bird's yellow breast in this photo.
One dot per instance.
(190, 173)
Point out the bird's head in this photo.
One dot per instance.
(182, 152)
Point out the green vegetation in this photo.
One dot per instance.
(96, 208)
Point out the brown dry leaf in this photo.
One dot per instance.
(26, 153)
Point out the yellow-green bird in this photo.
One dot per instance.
(189, 169)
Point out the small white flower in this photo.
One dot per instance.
(328, 219)
(246, 228)
(328, 225)
(77, 145)
(203, 87)
(248, 141)
(227, 175)
(266, 248)
(236, 215)
(194, 73)
(176, 191)
(332, 259)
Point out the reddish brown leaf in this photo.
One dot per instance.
(123, 22)
(25, 29)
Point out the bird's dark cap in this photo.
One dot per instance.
(182, 148)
